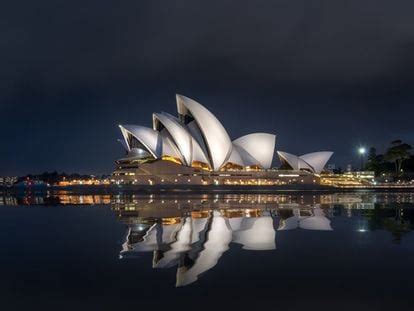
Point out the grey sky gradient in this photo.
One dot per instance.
(326, 75)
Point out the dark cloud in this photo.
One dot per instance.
(321, 74)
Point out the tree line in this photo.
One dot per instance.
(397, 160)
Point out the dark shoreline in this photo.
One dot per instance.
(194, 189)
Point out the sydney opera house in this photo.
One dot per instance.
(194, 148)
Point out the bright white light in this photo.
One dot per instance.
(362, 230)
(362, 150)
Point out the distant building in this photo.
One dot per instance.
(365, 175)
(349, 179)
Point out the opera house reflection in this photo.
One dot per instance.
(191, 232)
(194, 241)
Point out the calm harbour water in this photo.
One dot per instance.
(205, 252)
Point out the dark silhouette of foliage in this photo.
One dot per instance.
(397, 160)
(397, 154)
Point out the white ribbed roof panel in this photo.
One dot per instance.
(198, 153)
(260, 146)
(168, 146)
(215, 136)
(247, 158)
(235, 157)
(149, 138)
(290, 159)
(295, 162)
(317, 160)
(178, 132)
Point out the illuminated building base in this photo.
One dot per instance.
(163, 172)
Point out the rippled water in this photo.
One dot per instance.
(213, 251)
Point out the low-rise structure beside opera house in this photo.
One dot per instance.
(195, 149)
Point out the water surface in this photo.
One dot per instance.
(175, 251)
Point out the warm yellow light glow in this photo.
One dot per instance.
(229, 166)
(201, 165)
(172, 159)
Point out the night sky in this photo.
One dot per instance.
(322, 75)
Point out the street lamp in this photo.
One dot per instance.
(362, 151)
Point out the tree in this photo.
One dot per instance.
(397, 153)
(375, 162)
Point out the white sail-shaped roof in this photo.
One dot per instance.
(216, 139)
(235, 157)
(241, 157)
(260, 146)
(149, 138)
(124, 133)
(317, 160)
(247, 158)
(179, 134)
(196, 138)
(200, 153)
(169, 148)
(289, 159)
(295, 162)
(196, 134)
